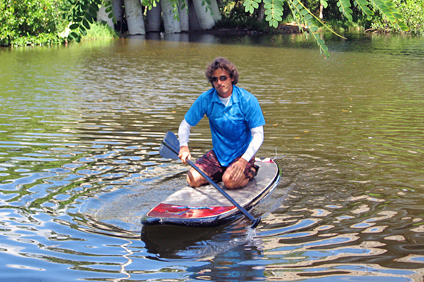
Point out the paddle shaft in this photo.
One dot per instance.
(255, 221)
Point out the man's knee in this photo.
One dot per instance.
(231, 184)
(194, 179)
(190, 179)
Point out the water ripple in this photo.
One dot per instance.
(79, 161)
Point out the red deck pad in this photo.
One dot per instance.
(176, 211)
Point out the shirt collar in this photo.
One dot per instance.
(234, 96)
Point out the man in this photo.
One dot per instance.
(236, 122)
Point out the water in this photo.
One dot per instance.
(79, 165)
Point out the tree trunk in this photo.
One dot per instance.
(153, 19)
(192, 17)
(206, 21)
(261, 12)
(134, 17)
(215, 10)
(102, 16)
(171, 24)
(183, 13)
(117, 9)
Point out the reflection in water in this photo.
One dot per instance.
(80, 133)
(228, 250)
(241, 263)
(193, 242)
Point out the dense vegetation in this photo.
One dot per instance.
(413, 14)
(27, 22)
(41, 22)
(336, 16)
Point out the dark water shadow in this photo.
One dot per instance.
(230, 251)
(180, 242)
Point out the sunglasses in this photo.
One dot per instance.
(222, 78)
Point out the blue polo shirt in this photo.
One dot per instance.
(230, 125)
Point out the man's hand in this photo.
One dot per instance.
(184, 154)
(236, 170)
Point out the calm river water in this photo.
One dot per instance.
(79, 165)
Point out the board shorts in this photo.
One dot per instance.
(210, 165)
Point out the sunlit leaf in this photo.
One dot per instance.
(83, 31)
(304, 12)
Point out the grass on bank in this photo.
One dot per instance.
(98, 30)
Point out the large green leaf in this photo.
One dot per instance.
(344, 7)
(363, 6)
(73, 26)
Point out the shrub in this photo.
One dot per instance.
(29, 22)
(99, 30)
(413, 13)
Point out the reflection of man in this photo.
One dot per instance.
(236, 122)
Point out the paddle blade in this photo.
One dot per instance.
(170, 146)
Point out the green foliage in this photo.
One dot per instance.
(362, 5)
(310, 23)
(40, 39)
(413, 14)
(99, 30)
(235, 16)
(81, 13)
(251, 5)
(29, 22)
(344, 8)
(390, 12)
(273, 12)
(39, 22)
(149, 4)
(207, 5)
(305, 18)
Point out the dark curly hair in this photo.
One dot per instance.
(225, 64)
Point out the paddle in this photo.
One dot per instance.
(170, 149)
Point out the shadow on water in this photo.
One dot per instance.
(231, 251)
(180, 242)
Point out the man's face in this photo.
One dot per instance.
(222, 82)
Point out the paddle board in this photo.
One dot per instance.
(206, 206)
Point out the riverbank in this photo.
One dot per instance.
(287, 28)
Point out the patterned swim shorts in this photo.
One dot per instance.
(210, 165)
